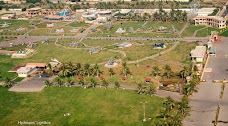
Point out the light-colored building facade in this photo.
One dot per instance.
(211, 21)
(26, 71)
(198, 54)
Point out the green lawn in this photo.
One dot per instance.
(6, 64)
(189, 31)
(206, 32)
(75, 24)
(45, 52)
(225, 33)
(15, 24)
(135, 25)
(110, 107)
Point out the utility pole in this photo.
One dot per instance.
(144, 110)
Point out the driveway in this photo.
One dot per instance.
(204, 103)
(32, 84)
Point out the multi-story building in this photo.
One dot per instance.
(213, 21)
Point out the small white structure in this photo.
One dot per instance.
(74, 30)
(22, 54)
(120, 30)
(198, 54)
(8, 16)
(4, 25)
(50, 25)
(111, 63)
(209, 44)
(26, 71)
(124, 45)
(59, 30)
(20, 29)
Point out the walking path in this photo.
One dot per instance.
(194, 35)
(141, 27)
(182, 30)
(155, 55)
(6, 52)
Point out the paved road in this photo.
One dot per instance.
(205, 102)
(204, 105)
(29, 39)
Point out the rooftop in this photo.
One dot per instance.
(199, 51)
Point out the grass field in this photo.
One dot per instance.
(15, 24)
(6, 64)
(225, 33)
(75, 24)
(110, 107)
(206, 32)
(135, 25)
(189, 31)
(181, 54)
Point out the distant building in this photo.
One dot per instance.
(30, 69)
(33, 12)
(198, 54)
(26, 71)
(8, 16)
(159, 46)
(23, 54)
(124, 45)
(211, 21)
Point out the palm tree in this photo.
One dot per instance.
(140, 88)
(81, 82)
(155, 71)
(47, 83)
(59, 82)
(86, 69)
(151, 90)
(117, 84)
(184, 72)
(183, 106)
(70, 81)
(93, 82)
(105, 83)
(64, 70)
(125, 69)
(8, 82)
(96, 70)
(167, 71)
(111, 72)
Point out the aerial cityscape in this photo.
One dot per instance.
(114, 62)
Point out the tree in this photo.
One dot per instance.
(167, 71)
(8, 82)
(184, 72)
(105, 83)
(183, 106)
(59, 82)
(81, 82)
(48, 83)
(117, 84)
(125, 69)
(87, 69)
(155, 71)
(93, 82)
(96, 70)
(111, 72)
(70, 82)
(151, 90)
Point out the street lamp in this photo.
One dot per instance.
(144, 109)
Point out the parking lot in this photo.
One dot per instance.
(32, 84)
(218, 63)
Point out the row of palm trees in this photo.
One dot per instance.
(69, 69)
(173, 112)
(137, 4)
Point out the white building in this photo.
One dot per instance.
(211, 21)
(26, 71)
(198, 54)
